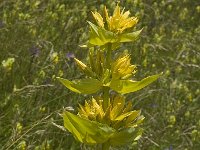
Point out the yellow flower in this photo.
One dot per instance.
(8, 63)
(22, 145)
(19, 127)
(116, 23)
(54, 57)
(172, 119)
(98, 19)
(118, 115)
(122, 68)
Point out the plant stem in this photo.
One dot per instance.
(106, 100)
(108, 56)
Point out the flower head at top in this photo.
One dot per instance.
(116, 23)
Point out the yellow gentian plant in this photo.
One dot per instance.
(107, 119)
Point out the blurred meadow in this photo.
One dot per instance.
(40, 38)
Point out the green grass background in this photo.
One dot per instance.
(31, 98)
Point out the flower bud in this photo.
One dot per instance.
(122, 68)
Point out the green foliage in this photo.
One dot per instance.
(128, 86)
(100, 36)
(84, 86)
(125, 136)
(30, 97)
(86, 131)
(109, 111)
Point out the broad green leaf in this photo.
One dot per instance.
(133, 116)
(68, 84)
(121, 117)
(94, 28)
(129, 37)
(125, 136)
(139, 120)
(100, 36)
(84, 86)
(128, 86)
(86, 131)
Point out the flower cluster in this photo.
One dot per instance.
(116, 23)
(107, 119)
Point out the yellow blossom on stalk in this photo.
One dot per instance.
(54, 57)
(87, 70)
(113, 29)
(172, 119)
(60, 73)
(98, 19)
(19, 127)
(122, 68)
(116, 23)
(107, 119)
(22, 145)
(8, 63)
(117, 115)
(42, 109)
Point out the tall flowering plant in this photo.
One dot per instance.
(107, 119)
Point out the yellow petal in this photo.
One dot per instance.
(98, 19)
(87, 107)
(125, 15)
(106, 14)
(116, 12)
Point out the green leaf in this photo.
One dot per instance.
(129, 37)
(100, 36)
(125, 136)
(68, 84)
(127, 86)
(84, 86)
(121, 117)
(86, 131)
(133, 116)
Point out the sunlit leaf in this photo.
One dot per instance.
(127, 86)
(133, 116)
(87, 131)
(84, 86)
(100, 36)
(129, 37)
(121, 117)
(125, 136)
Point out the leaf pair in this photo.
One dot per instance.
(117, 115)
(116, 23)
(92, 132)
(83, 86)
(86, 131)
(128, 86)
(99, 36)
(90, 85)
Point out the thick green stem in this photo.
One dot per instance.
(108, 56)
(106, 100)
(106, 96)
